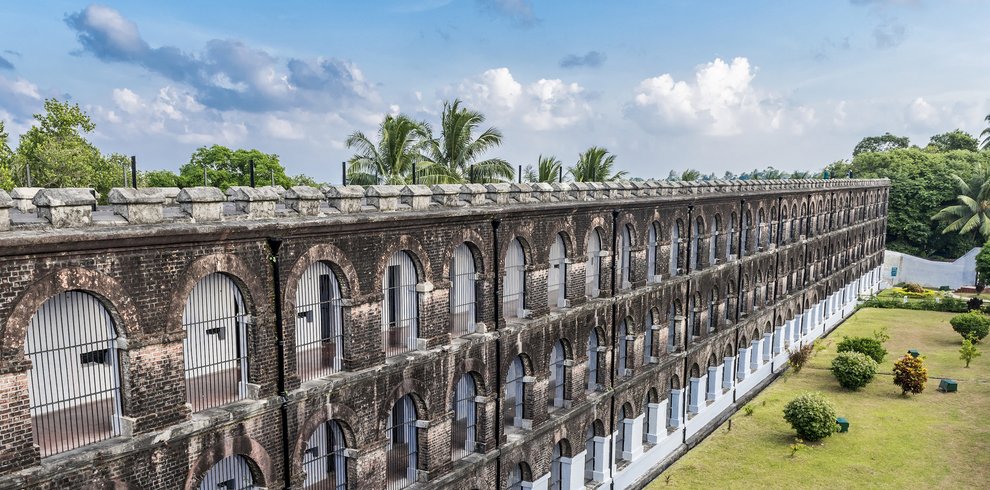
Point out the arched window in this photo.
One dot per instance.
(557, 278)
(650, 415)
(559, 469)
(514, 289)
(698, 227)
(319, 323)
(730, 249)
(464, 291)
(232, 472)
(325, 458)
(465, 432)
(520, 474)
(400, 304)
(772, 226)
(730, 303)
(652, 248)
(622, 363)
(595, 359)
(760, 223)
(649, 338)
(693, 303)
(74, 378)
(784, 225)
(672, 320)
(594, 452)
(623, 434)
(675, 248)
(625, 256)
(795, 223)
(215, 347)
(673, 417)
(559, 373)
(716, 230)
(756, 290)
(403, 444)
(712, 305)
(516, 414)
(593, 270)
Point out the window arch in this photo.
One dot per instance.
(730, 249)
(215, 345)
(465, 431)
(593, 270)
(716, 231)
(229, 473)
(730, 302)
(712, 310)
(400, 304)
(465, 291)
(325, 458)
(516, 411)
(673, 418)
(760, 223)
(697, 229)
(649, 337)
(402, 453)
(595, 360)
(622, 367)
(672, 319)
(694, 302)
(625, 256)
(520, 474)
(74, 378)
(649, 416)
(624, 436)
(557, 277)
(747, 225)
(559, 469)
(785, 224)
(514, 289)
(560, 374)
(594, 456)
(319, 323)
(652, 249)
(676, 232)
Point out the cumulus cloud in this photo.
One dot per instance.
(545, 104)
(592, 59)
(721, 101)
(226, 74)
(19, 98)
(920, 112)
(519, 11)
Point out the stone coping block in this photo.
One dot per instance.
(416, 196)
(447, 194)
(522, 192)
(258, 202)
(383, 197)
(499, 192)
(345, 198)
(304, 200)
(137, 206)
(5, 201)
(23, 196)
(474, 194)
(129, 195)
(5, 204)
(202, 203)
(169, 193)
(542, 191)
(65, 207)
(200, 195)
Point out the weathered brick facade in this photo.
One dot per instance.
(814, 239)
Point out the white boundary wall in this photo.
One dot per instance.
(930, 273)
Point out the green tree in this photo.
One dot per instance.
(969, 351)
(972, 213)
(953, 140)
(690, 175)
(547, 170)
(159, 178)
(595, 165)
(401, 142)
(225, 167)
(800, 174)
(983, 267)
(6, 160)
(877, 144)
(985, 135)
(456, 153)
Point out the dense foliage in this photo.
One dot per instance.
(972, 325)
(811, 415)
(950, 305)
(800, 356)
(853, 370)
(910, 374)
(871, 347)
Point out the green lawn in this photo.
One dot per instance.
(931, 440)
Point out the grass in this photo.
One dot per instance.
(931, 440)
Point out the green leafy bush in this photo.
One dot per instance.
(973, 325)
(854, 370)
(811, 415)
(950, 305)
(864, 345)
(910, 374)
(913, 288)
(800, 356)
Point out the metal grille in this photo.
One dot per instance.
(74, 386)
(651, 253)
(465, 418)
(515, 394)
(402, 445)
(593, 343)
(696, 229)
(672, 326)
(648, 339)
(711, 311)
(594, 268)
(325, 458)
(230, 473)
(558, 375)
(215, 347)
(675, 247)
(590, 454)
(400, 305)
(514, 289)
(693, 317)
(557, 279)
(625, 257)
(319, 323)
(730, 248)
(713, 245)
(759, 230)
(464, 292)
(556, 469)
(744, 240)
(621, 363)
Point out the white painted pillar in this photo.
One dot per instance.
(602, 468)
(572, 471)
(676, 398)
(741, 368)
(694, 404)
(633, 431)
(727, 372)
(541, 483)
(653, 428)
(754, 355)
(712, 382)
(778, 338)
(798, 327)
(767, 346)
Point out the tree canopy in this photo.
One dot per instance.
(595, 165)
(877, 144)
(953, 140)
(226, 167)
(547, 170)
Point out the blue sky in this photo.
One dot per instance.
(665, 85)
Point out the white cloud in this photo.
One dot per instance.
(282, 129)
(922, 113)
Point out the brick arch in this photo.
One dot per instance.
(416, 251)
(108, 484)
(252, 451)
(408, 386)
(338, 412)
(472, 366)
(347, 275)
(524, 241)
(597, 223)
(474, 241)
(247, 279)
(627, 219)
(106, 289)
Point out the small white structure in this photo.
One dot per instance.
(930, 273)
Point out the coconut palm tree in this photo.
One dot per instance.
(401, 142)
(547, 170)
(972, 214)
(595, 165)
(985, 135)
(455, 154)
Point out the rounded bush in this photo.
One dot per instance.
(811, 415)
(910, 374)
(864, 345)
(973, 325)
(854, 370)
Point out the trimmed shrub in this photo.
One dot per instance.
(974, 325)
(951, 305)
(864, 345)
(913, 288)
(811, 415)
(910, 374)
(854, 370)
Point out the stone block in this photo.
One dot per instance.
(562, 191)
(542, 191)
(383, 197)
(23, 196)
(256, 202)
(345, 198)
(521, 192)
(137, 206)
(5, 204)
(417, 197)
(169, 193)
(66, 207)
(202, 203)
(474, 194)
(447, 194)
(304, 200)
(499, 193)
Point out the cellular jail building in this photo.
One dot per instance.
(501, 336)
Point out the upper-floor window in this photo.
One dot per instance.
(649, 337)
(744, 240)
(560, 364)
(712, 307)
(319, 323)
(402, 452)
(730, 249)
(596, 358)
(516, 412)
(465, 296)
(325, 458)
(400, 304)
(716, 230)
(593, 269)
(622, 363)
(514, 288)
(557, 277)
(652, 247)
(625, 257)
(465, 431)
(698, 228)
(676, 232)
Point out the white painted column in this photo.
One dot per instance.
(541, 483)
(727, 372)
(712, 383)
(633, 431)
(741, 368)
(754, 355)
(778, 338)
(602, 468)
(653, 428)
(676, 398)
(694, 404)
(572, 471)
(767, 346)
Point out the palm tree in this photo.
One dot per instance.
(973, 211)
(547, 170)
(691, 174)
(401, 142)
(595, 165)
(985, 135)
(456, 151)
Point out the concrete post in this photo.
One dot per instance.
(602, 468)
(727, 372)
(675, 408)
(741, 368)
(712, 383)
(633, 429)
(754, 357)
(767, 346)
(653, 428)
(694, 404)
